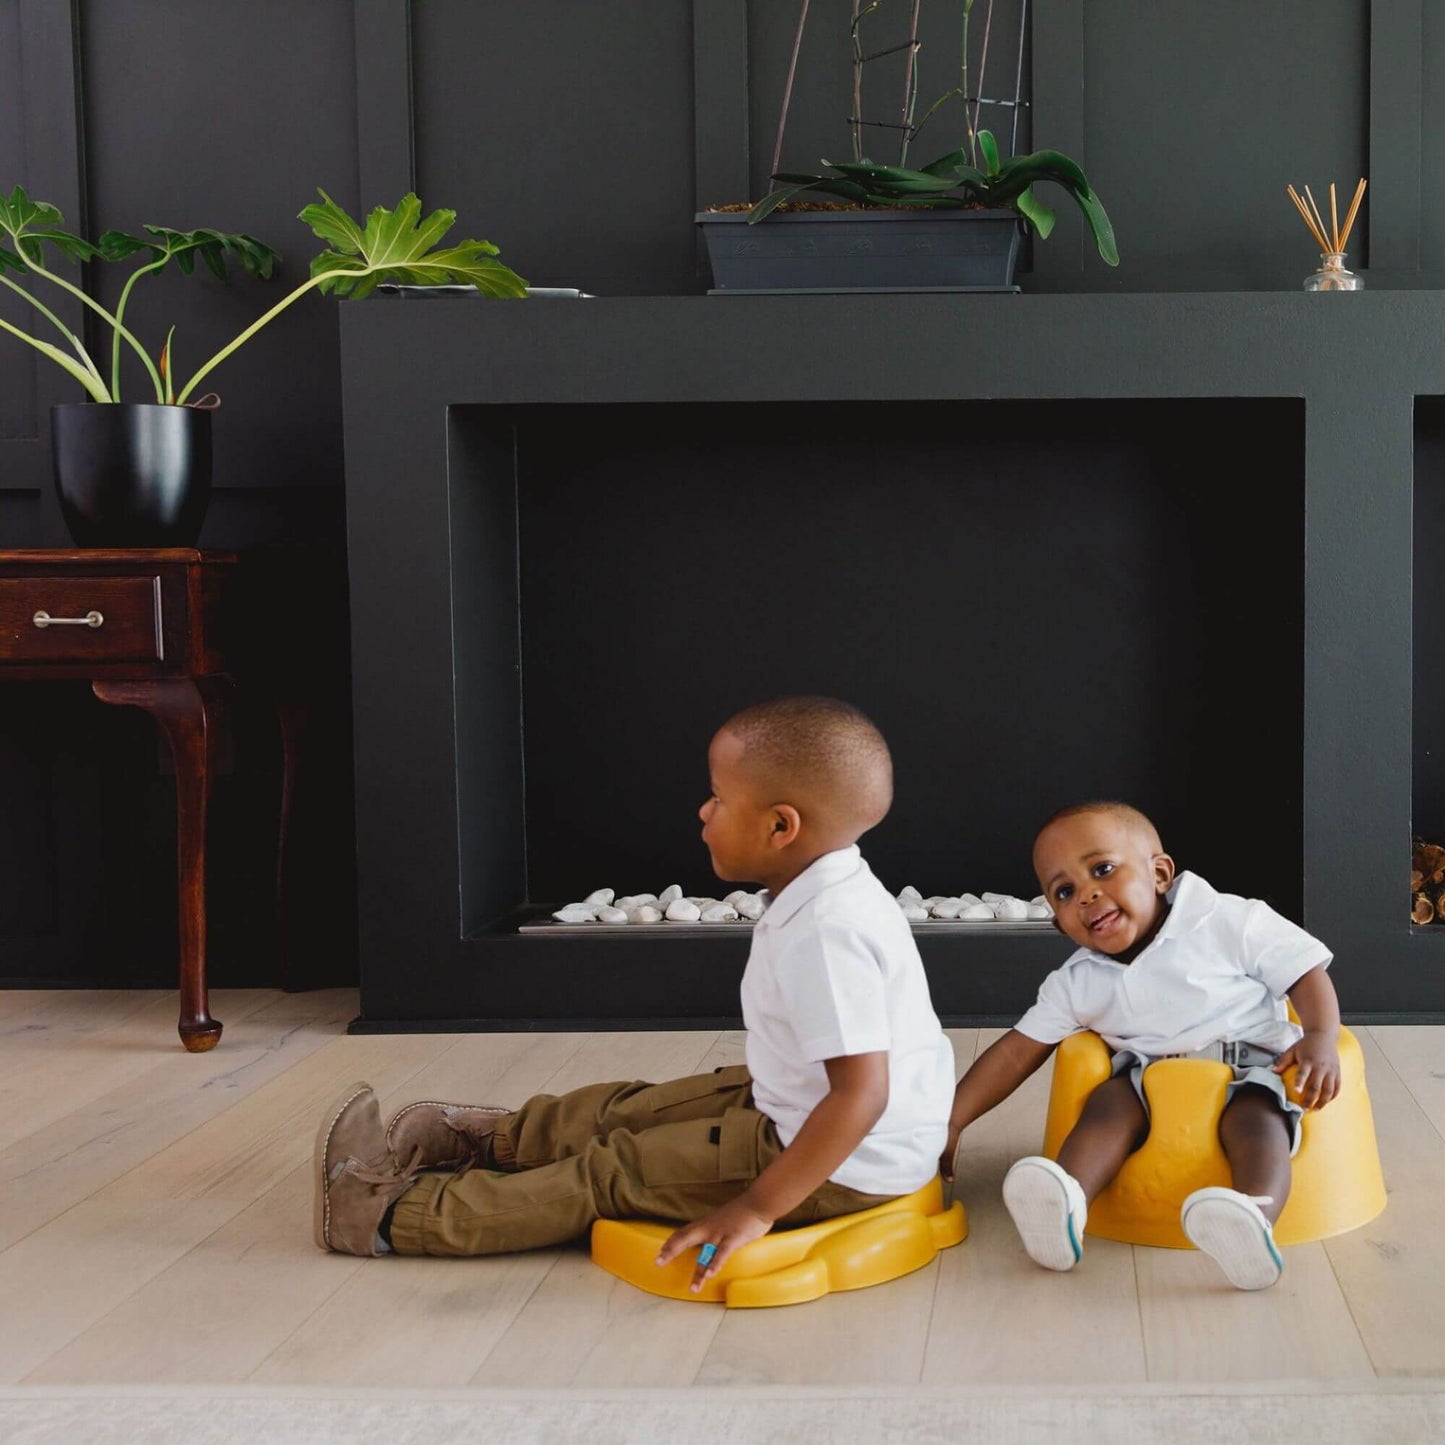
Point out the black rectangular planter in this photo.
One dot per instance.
(881, 250)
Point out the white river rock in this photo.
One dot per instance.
(576, 913)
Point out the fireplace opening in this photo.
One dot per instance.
(1038, 602)
(1426, 898)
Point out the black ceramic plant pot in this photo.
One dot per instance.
(131, 474)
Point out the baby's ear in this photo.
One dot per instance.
(786, 825)
(1163, 873)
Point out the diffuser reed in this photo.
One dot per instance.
(1331, 239)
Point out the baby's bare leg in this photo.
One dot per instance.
(1112, 1126)
(1255, 1136)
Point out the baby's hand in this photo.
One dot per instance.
(945, 1160)
(1316, 1057)
(718, 1234)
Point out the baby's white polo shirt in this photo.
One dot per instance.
(833, 971)
(1217, 969)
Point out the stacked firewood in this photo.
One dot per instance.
(1427, 882)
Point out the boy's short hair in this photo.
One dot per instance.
(822, 749)
(1126, 813)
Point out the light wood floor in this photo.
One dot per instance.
(155, 1227)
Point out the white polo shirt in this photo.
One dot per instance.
(833, 971)
(1217, 969)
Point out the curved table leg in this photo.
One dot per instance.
(188, 711)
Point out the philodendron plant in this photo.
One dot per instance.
(395, 245)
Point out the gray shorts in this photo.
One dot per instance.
(1258, 1074)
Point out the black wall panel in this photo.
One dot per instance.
(227, 126)
(562, 133)
(580, 138)
(1196, 118)
(17, 395)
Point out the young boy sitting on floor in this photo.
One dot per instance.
(842, 1105)
(1165, 967)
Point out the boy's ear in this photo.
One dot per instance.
(1163, 873)
(786, 824)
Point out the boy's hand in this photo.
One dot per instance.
(1316, 1058)
(950, 1152)
(728, 1228)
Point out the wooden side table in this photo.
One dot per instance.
(147, 629)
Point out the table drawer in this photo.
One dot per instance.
(80, 619)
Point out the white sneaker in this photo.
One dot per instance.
(1231, 1229)
(1048, 1209)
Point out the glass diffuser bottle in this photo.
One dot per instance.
(1332, 275)
(1330, 237)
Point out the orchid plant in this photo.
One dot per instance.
(971, 176)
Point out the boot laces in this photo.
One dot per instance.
(398, 1174)
(474, 1146)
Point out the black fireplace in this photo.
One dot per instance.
(1054, 557)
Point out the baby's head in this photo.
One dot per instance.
(1105, 873)
(791, 780)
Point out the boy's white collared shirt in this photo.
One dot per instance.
(833, 971)
(1218, 968)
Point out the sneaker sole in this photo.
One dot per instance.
(1231, 1236)
(1039, 1207)
(321, 1204)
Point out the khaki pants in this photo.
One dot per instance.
(671, 1151)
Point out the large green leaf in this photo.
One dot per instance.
(1045, 165)
(396, 245)
(1099, 224)
(896, 179)
(774, 199)
(989, 146)
(1019, 174)
(956, 164)
(31, 224)
(830, 185)
(1038, 213)
(213, 247)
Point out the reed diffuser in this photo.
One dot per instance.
(1331, 240)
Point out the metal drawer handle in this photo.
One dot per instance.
(91, 619)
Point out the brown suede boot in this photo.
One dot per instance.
(357, 1176)
(444, 1136)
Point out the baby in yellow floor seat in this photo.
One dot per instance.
(1166, 967)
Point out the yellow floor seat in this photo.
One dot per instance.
(1336, 1184)
(790, 1266)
